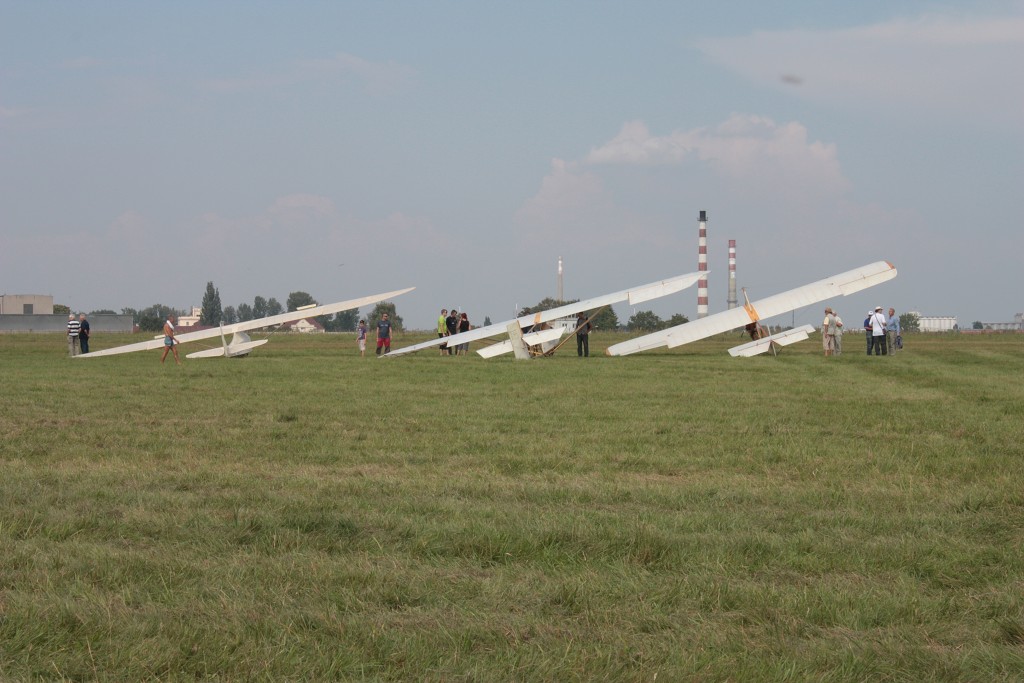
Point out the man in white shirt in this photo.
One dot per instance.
(74, 327)
(878, 331)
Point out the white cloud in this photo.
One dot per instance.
(780, 158)
(634, 145)
(564, 189)
(778, 191)
(935, 65)
(572, 203)
(940, 30)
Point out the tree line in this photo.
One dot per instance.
(212, 314)
(606, 319)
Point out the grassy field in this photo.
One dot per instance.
(304, 514)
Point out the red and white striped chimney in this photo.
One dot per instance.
(702, 266)
(732, 274)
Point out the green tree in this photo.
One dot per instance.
(259, 308)
(61, 308)
(605, 319)
(380, 309)
(977, 325)
(152, 319)
(343, 321)
(133, 313)
(211, 313)
(487, 320)
(244, 313)
(644, 321)
(910, 322)
(545, 304)
(297, 300)
(103, 311)
(677, 319)
(230, 315)
(274, 307)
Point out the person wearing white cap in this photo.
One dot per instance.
(878, 331)
(828, 332)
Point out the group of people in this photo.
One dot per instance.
(78, 334)
(883, 334)
(383, 335)
(449, 324)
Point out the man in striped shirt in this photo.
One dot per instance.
(73, 329)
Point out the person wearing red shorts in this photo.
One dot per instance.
(384, 334)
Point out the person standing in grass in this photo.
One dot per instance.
(828, 332)
(867, 331)
(442, 328)
(83, 333)
(838, 339)
(893, 332)
(384, 334)
(451, 325)
(73, 329)
(170, 341)
(583, 328)
(878, 323)
(361, 336)
(464, 326)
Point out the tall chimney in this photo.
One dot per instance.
(561, 296)
(702, 266)
(732, 274)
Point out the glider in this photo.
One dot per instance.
(534, 330)
(752, 313)
(762, 344)
(240, 343)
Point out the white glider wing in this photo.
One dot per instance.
(634, 296)
(837, 285)
(763, 344)
(240, 345)
(270, 321)
(531, 339)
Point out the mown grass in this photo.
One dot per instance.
(304, 514)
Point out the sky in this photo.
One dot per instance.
(349, 148)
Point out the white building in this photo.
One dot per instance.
(1016, 326)
(306, 325)
(26, 304)
(191, 320)
(935, 323)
